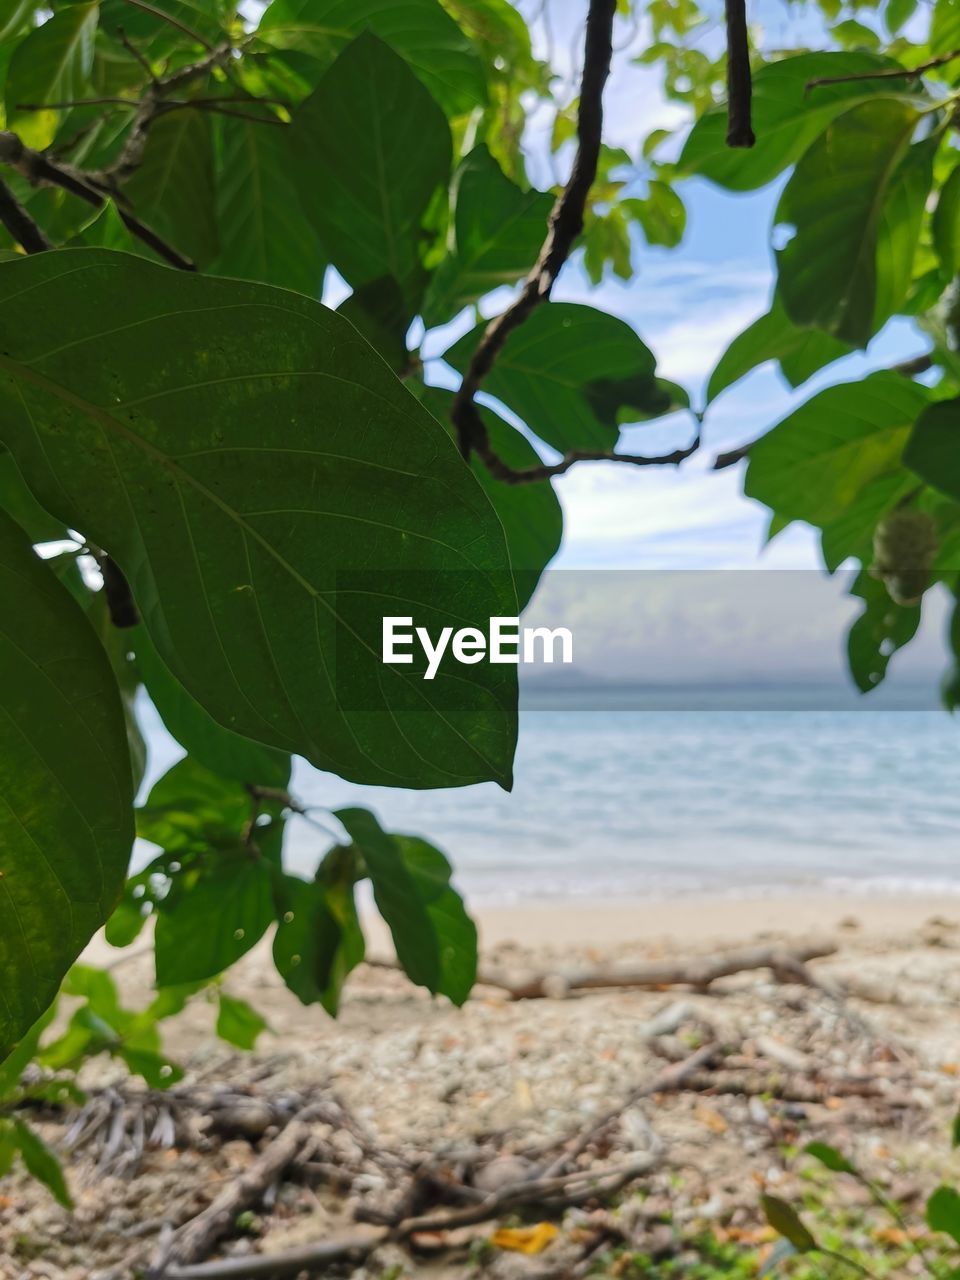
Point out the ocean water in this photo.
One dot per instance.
(751, 799)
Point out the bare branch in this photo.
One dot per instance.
(40, 170)
(565, 224)
(739, 82)
(545, 471)
(18, 222)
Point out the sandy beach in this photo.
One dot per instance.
(883, 1011)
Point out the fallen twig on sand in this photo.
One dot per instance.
(198, 1236)
(699, 972)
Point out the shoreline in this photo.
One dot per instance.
(698, 920)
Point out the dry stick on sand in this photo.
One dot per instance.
(198, 1236)
(553, 1188)
(788, 964)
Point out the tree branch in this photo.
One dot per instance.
(545, 471)
(888, 73)
(565, 224)
(739, 82)
(39, 170)
(18, 222)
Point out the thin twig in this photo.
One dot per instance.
(40, 170)
(563, 228)
(545, 471)
(18, 222)
(739, 82)
(888, 73)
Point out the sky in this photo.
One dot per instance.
(687, 304)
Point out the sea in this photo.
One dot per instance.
(657, 793)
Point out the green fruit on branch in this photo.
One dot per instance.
(904, 549)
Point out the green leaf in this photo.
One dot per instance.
(813, 464)
(943, 1212)
(206, 926)
(787, 117)
(190, 808)
(901, 220)
(239, 467)
(379, 149)
(932, 450)
(209, 743)
(882, 628)
(8, 1145)
(19, 1057)
(836, 201)
(955, 1131)
(787, 1222)
(172, 189)
(661, 214)
(52, 64)
(946, 224)
(435, 940)
(497, 232)
(319, 940)
(157, 1071)
(41, 1163)
(530, 513)
(263, 231)
(898, 13)
(420, 30)
(237, 1022)
(379, 312)
(14, 15)
(572, 374)
(801, 352)
(945, 27)
(65, 827)
(830, 1158)
(18, 502)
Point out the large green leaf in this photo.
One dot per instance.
(787, 117)
(572, 374)
(264, 233)
(946, 223)
(319, 940)
(65, 823)
(172, 188)
(212, 923)
(835, 202)
(51, 65)
(531, 514)
(209, 743)
(241, 452)
(933, 450)
(898, 235)
(881, 629)
(376, 149)
(435, 939)
(945, 27)
(813, 465)
(496, 235)
(420, 30)
(801, 352)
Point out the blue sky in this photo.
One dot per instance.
(687, 304)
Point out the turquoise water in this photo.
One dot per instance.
(665, 802)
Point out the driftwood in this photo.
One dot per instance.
(199, 1236)
(786, 965)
